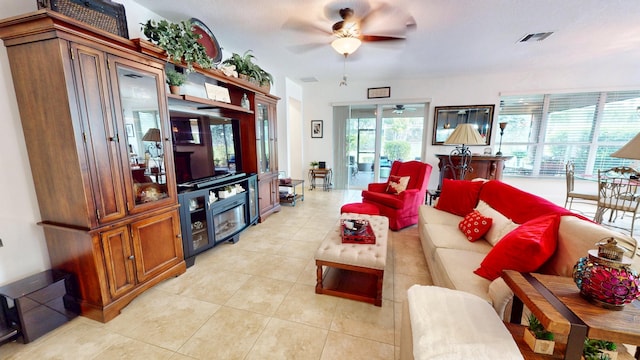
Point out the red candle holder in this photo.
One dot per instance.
(605, 277)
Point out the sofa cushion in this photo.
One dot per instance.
(389, 200)
(524, 249)
(431, 215)
(501, 224)
(450, 237)
(459, 196)
(397, 184)
(454, 270)
(475, 225)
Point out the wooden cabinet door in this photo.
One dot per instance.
(157, 244)
(116, 247)
(265, 202)
(99, 133)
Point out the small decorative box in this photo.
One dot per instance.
(357, 232)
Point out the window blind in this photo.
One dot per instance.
(555, 128)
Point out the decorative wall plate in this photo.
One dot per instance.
(207, 40)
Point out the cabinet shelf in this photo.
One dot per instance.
(199, 103)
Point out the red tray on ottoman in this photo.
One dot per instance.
(356, 231)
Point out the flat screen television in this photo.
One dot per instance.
(205, 148)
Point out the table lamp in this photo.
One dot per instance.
(463, 135)
(630, 150)
(153, 135)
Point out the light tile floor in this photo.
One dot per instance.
(252, 300)
(256, 300)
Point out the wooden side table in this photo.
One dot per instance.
(38, 304)
(324, 174)
(556, 302)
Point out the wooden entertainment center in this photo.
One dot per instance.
(89, 102)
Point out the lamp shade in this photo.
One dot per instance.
(630, 150)
(152, 134)
(346, 45)
(465, 134)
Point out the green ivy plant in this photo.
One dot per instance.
(179, 41)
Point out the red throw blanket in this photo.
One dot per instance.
(518, 205)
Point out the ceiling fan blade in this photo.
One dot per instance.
(388, 21)
(374, 15)
(304, 48)
(305, 26)
(381, 38)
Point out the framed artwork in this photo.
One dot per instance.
(446, 118)
(379, 92)
(130, 131)
(316, 128)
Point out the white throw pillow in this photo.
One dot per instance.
(501, 224)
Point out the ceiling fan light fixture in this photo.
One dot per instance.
(346, 45)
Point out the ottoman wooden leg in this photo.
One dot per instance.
(318, 278)
(378, 301)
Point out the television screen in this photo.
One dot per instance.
(204, 147)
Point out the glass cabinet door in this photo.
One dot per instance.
(140, 92)
(262, 132)
(199, 234)
(253, 198)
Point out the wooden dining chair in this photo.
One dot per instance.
(591, 198)
(618, 194)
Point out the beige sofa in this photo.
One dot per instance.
(452, 258)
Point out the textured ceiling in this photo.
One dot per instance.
(451, 37)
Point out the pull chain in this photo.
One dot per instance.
(344, 72)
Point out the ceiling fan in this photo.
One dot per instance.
(384, 23)
(400, 109)
(353, 29)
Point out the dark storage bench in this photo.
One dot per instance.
(37, 304)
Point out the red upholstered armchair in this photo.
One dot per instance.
(402, 209)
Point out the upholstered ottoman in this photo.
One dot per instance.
(445, 324)
(353, 271)
(360, 208)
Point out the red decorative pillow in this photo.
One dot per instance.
(524, 249)
(459, 196)
(397, 184)
(475, 225)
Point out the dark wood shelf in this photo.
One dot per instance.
(199, 103)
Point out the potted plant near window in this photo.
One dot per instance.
(175, 80)
(599, 350)
(538, 338)
(179, 41)
(314, 164)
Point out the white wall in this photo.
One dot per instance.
(456, 90)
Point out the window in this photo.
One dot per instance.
(545, 131)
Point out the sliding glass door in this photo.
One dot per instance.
(377, 135)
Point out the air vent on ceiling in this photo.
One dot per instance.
(309, 79)
(535, 37)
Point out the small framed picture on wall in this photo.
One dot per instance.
(316, 128)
